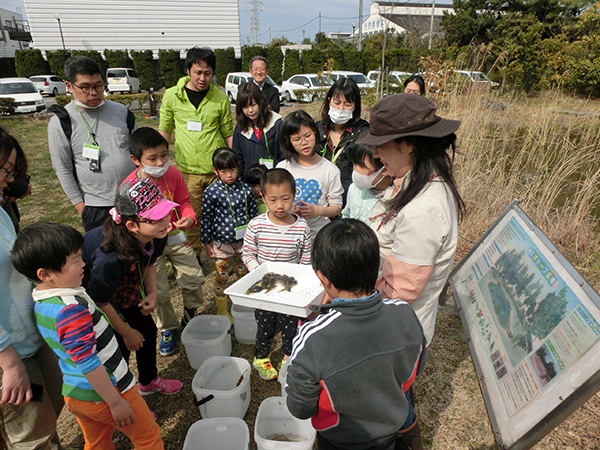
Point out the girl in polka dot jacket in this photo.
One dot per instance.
(227, 206)
(318, 181)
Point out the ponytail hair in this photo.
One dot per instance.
(121, 241)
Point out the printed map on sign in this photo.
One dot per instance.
(532, 325)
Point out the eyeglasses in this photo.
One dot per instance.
(88, 89)
(155, 222)
(9, 173)
(298, 139)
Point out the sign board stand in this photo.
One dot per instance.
(532, 323)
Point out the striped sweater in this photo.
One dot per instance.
(81, 336)
(264, 241)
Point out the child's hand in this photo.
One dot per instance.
(133, 340)
(148, 304)
(210, 250)
(122, 413)
(306, 210)
(184, 224)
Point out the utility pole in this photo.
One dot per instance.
(431, 24)
(360, 24)
(319, 22)
(57, 16)
(270, 35)
(255, 21)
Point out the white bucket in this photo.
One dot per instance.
(222, 387)
(281, 378)
(218, 434)
(244, 324)
(206, 336)
(274, 424)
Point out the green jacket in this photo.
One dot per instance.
(194, 149)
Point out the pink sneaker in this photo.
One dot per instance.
(162, 385)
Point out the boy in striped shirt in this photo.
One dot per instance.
(276, 235)
(98, 387)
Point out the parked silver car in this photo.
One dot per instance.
(49, 84)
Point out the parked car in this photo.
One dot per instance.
(24, 93)
(235, 79)
(473, 79)
(49, 84)
(360, 78)
(395, 77)
(122, 80)
(314, 85)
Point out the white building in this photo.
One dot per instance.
(400, 17)
(11, 25)
(134, 24)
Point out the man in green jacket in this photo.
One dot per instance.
(201, 115)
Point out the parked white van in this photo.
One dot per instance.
(122, 80)
(235, 79)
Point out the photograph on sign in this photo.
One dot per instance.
(531, 325)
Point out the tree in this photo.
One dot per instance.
(225, 63)
(472, 22)
(518, 46)
(30, 62)
(56, 61)
(279, 41)
(548, 314)
(313, 60)
(171, 66)
(118, 58)
(143, 63)
(292, 64)
(275, 58)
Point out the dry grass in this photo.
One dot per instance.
(525, 150)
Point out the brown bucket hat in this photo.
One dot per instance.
(401, 115)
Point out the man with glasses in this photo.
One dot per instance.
(259, 69)
(93, 160)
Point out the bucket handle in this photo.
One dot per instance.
(202, 401)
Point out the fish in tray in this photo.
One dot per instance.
(271, 280)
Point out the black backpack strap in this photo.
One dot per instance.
(65, 119)
(130, 121)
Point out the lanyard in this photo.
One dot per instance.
(231, 207)
(89, 128)
(172, 199)
(266, 143)
(141, 287)
(334, 155)
(361, 204)
(10, 231)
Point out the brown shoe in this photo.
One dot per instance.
(410, 438)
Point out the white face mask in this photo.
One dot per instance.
(156, 172)
(340, 116)
(363, 182)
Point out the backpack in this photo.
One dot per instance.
(65, 119)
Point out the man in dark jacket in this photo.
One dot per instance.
(259, 69)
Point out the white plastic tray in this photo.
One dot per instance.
(307, 292)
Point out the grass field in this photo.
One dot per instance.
(524, 148)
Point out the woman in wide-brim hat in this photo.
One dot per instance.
(417, 220)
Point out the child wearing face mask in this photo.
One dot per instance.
(150, 153)
(340, 126)
(369, 182)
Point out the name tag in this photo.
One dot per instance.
(268, 163)
(240, 232)
(176, 237)
(194, 125)
(91, 151)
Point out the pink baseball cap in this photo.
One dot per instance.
(142, 197)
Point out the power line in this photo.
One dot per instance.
(297, 28)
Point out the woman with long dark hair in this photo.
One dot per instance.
(417, 220)
(340, 126)
(256, 135)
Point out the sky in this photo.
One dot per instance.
(294, 19)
